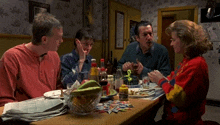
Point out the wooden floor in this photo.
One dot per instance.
(212, 113)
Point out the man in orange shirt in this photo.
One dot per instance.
(29, 70)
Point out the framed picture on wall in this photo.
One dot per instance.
(36, 7)
(66, 0)
(119, 30)
(132, 33)
(87, 13)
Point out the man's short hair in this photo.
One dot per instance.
(142, 23)
(43, 24)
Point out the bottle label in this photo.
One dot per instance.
(123, 96)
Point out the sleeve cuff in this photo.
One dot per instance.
(162, 81)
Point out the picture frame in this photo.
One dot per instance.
(132, 33)
(66, 0)
(215, 18)
(119, 30)
(87, 13)
(36, 7)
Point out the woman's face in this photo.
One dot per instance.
(177, 45)
(87, 45)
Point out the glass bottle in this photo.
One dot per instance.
(109, 67)
(123, 93)
(94, 73)
(114, 67)
(103, 74)
(103, 78)
(111, 82)
(118, 78)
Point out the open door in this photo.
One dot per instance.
(165, 17)
(121, 19)
(167, 20)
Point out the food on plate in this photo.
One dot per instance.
(144, 93)
(85, 80)
(61, 95)
(88, 90)
(85, 93)
(88, 87)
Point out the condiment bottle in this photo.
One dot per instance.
(103, 74)
(94, 73)
(105, 90)
(103, 79)
(111, 82)
(123, 93)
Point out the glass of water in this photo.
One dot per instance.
(146, 82)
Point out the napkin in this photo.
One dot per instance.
(33, 110)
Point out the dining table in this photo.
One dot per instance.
(143, 111)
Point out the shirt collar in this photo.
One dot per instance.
(150, 51)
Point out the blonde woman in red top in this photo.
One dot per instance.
(186, 87)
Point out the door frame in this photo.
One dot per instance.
(130, 13)
(165, 38)
(159, 28)
(161, 14)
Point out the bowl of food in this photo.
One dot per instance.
(83, 100)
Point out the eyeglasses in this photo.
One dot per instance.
(87, 44)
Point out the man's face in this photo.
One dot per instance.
(87, 45)
(145, 37)
(54, 41)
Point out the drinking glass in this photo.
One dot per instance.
(146, 82)
(83, 77)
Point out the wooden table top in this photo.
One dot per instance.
(140, 107)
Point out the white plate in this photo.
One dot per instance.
(53, 94)
(147, 93)
(152, 86)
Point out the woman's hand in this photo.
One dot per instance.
(155, 76)
(82, 53)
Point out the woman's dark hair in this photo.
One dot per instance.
(84, 33)
(192, 35)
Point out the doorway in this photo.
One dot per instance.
(119, 31)
(165, 17)
(167, 20)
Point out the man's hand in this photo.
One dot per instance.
(155, 76)
(139, 68)
(126, 66)
(82, 53)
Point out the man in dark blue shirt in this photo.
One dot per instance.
(144, 53)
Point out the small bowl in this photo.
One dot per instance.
(82, 104)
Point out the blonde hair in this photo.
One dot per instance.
(192, 35)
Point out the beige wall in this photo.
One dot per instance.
(8, 41)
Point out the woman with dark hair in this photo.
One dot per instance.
(79, 60)
(186, 87)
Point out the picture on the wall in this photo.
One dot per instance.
(66, 0)
(87, 13)
(132, 33)
(215, 15)
(36, 7)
